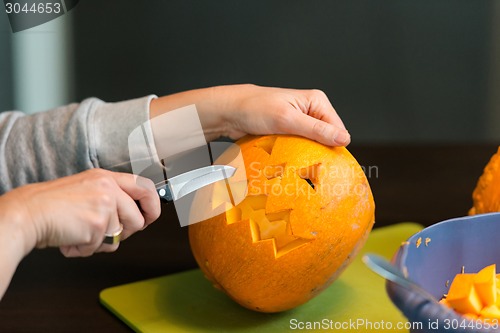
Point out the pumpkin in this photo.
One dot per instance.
(307, 212)
(486, 195)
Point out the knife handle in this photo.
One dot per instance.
(164, 192)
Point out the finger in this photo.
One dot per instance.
(322, 109)
(113, 227)
(86, 250)
(142, 190)
(129, 215)
(318, 130)
(95, 244)
(318, 105)
(125, 191)
(72, 251)
(126, 215)
(100, 218)
(68, 251)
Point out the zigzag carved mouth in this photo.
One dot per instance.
(276, 225)
(265, 226)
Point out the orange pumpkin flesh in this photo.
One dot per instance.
(486, 195)
(309, 208)
(475, 295)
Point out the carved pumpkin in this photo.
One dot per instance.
(308, 210)
(486, 195)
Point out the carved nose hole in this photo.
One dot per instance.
(310, 174)
(310, 182)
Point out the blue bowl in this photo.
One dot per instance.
(472, 242)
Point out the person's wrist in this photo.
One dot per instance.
(16, 218)
(233, 96)
(230, 100)
(218, 109)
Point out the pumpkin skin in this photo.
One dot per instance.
(486, 195)
(286, 241)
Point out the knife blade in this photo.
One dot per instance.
(176, 187)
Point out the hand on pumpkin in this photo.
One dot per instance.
(72, 213)
(233, 111)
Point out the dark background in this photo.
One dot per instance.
(400, 70)
(396, 70)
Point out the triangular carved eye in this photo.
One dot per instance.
(266, 144)
(310, 174)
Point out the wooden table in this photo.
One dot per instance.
(50, 293)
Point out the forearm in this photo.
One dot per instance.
(213, 104)
(68, 140)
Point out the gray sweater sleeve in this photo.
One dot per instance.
(68, 140)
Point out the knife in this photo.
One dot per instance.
(176, 187)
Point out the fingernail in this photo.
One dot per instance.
(343, 137)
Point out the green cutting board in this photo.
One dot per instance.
(187, 302)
